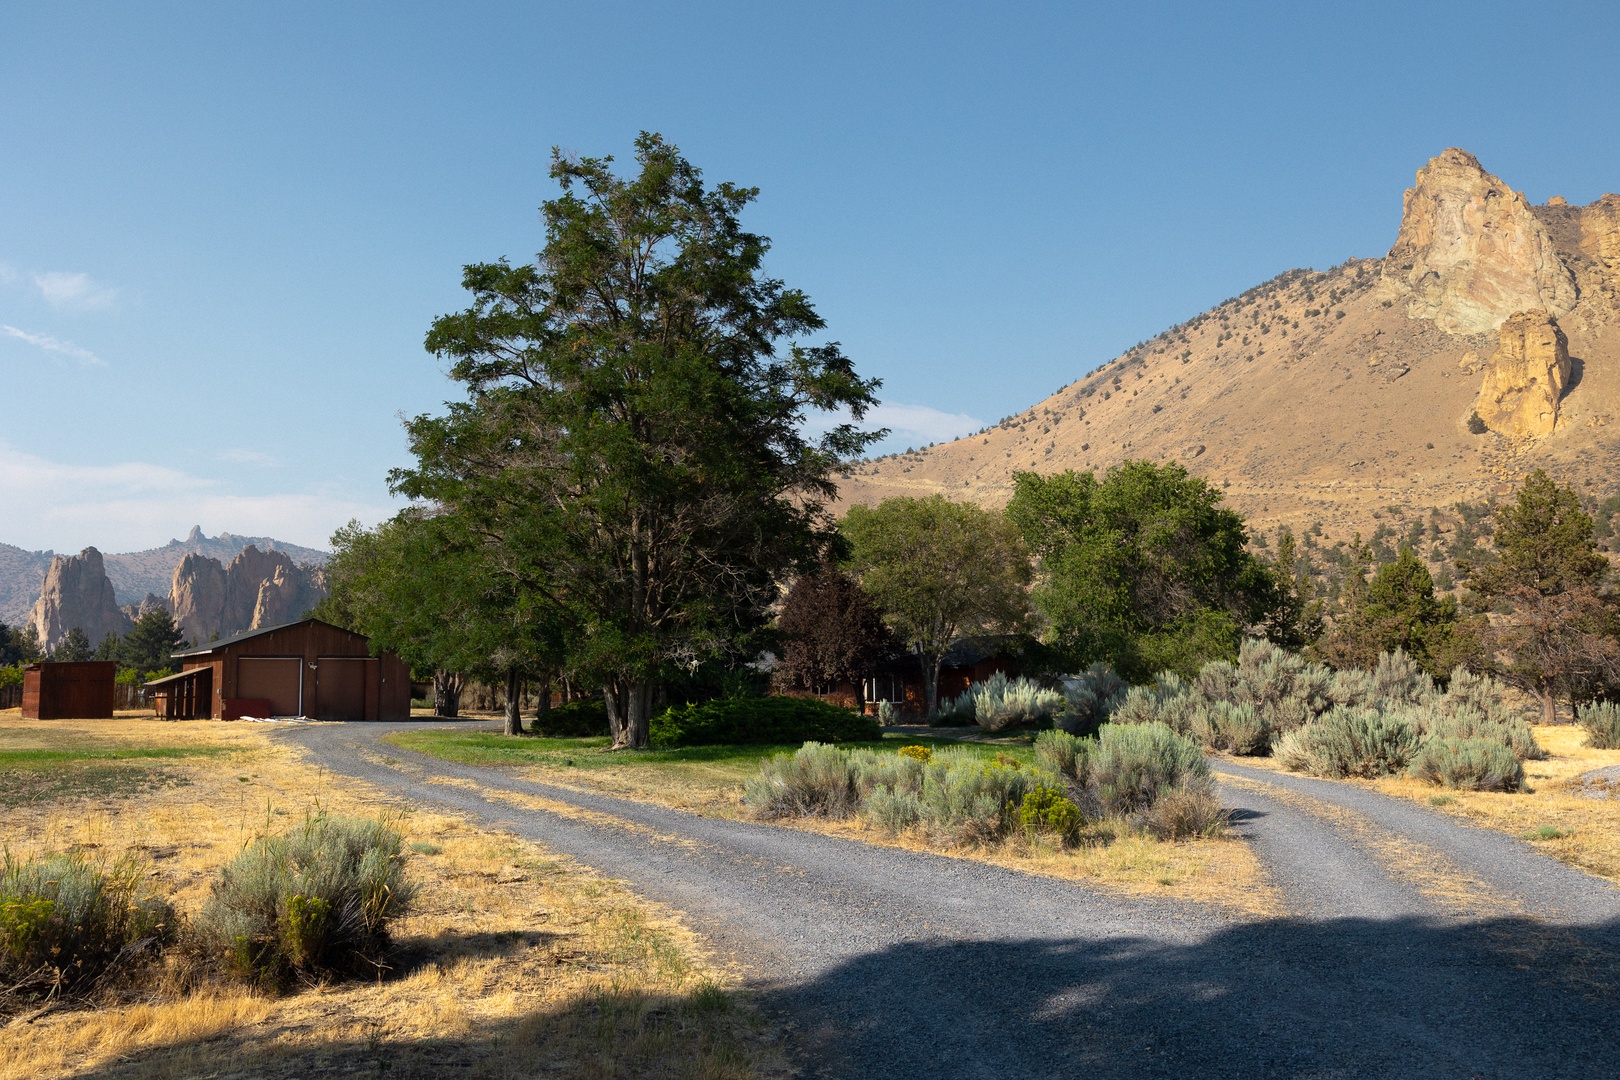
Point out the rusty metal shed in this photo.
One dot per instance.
(308, 668)
(81, 690)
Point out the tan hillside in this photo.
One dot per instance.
(1324, 397)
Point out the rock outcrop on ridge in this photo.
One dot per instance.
(77, 594)
(1525, 377)
(257, 589)
(1323, 399)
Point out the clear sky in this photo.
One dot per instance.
(224, 228)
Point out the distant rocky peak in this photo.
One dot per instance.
(77, 595)
(195, 536)
(1471, 251)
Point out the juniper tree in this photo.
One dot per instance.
(632, 440)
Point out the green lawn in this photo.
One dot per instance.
(88, 770)
(42, 757)
(708, 777)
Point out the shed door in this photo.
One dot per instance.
(277, 678)
(340, 688)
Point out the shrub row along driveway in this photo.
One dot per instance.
(1417, 946)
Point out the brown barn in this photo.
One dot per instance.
(69, 691)
(307, 668)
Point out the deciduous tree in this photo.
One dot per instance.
(831, 631)
(939, 571)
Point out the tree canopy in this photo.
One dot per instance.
(1398, 608)
(631, 449)
(831, 631)
(151, 642)
(939, 571)
(1144, 569)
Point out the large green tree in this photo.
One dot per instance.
(1398, 608)
(74, 647)
(151, 642)
(1556, 625)
(422, 586)
(632, 442)
(939, 571)
(1144, 568)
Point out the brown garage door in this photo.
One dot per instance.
(276, 678)
(340, 688)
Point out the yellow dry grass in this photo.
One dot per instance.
(513, 962)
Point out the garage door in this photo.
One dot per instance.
(340, 688)
(276, 678)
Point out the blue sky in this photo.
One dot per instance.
(224, 228)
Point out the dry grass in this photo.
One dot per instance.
(514, 962)
(1550, 813)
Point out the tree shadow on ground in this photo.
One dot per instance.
(1286, 999)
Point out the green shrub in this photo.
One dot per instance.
(1222, 725)
(314, 902)
(1468, 765)
(967, 800)
(760, 720)
(1601, 719)
(1285, 690)
(1134, 764)
(1000, 702)
(1352, 742)
(68, 925)
(1090, 698)
(1048, 810)
(1465, 722)
(814, 780)
(954, 711)
(575, 720)
(1185, 812)
(921, 753)
(885, 713)
(1064, 754)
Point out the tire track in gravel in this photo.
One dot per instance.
(890, 963)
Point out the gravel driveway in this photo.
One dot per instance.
(1415, 945)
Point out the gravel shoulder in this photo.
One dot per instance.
(892, 963)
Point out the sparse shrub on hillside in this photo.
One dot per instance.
(1601, 719)
(313, 902)
(1468, 764)
(69, 926)
(1476, 426)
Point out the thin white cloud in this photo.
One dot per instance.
(242, 456)
(69, 290)
(132, 505)
(909, 425)
(54, 345)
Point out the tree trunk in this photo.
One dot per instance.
(614, 701)
(514, 702)
(447, 693)
(637, 715)
(930, 674)
(543, 703)
(1549, 705)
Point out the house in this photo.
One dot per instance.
(968, 661)
(308, 668)
(69, 691)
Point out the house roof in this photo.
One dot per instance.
(179, 676)
(213, 646)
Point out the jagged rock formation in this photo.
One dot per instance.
(259, 588)
(76, 593)
(197, 598)
(1324, 400)
(150, 602)
(1525, 377)
(1471, 251)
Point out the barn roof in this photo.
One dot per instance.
(213, 646)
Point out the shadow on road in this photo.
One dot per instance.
(1347, 998)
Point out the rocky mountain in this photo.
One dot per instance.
(76, 593)
(137, 575)
(1326, 398)
(258, 588)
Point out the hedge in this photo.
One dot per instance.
(760, 720)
